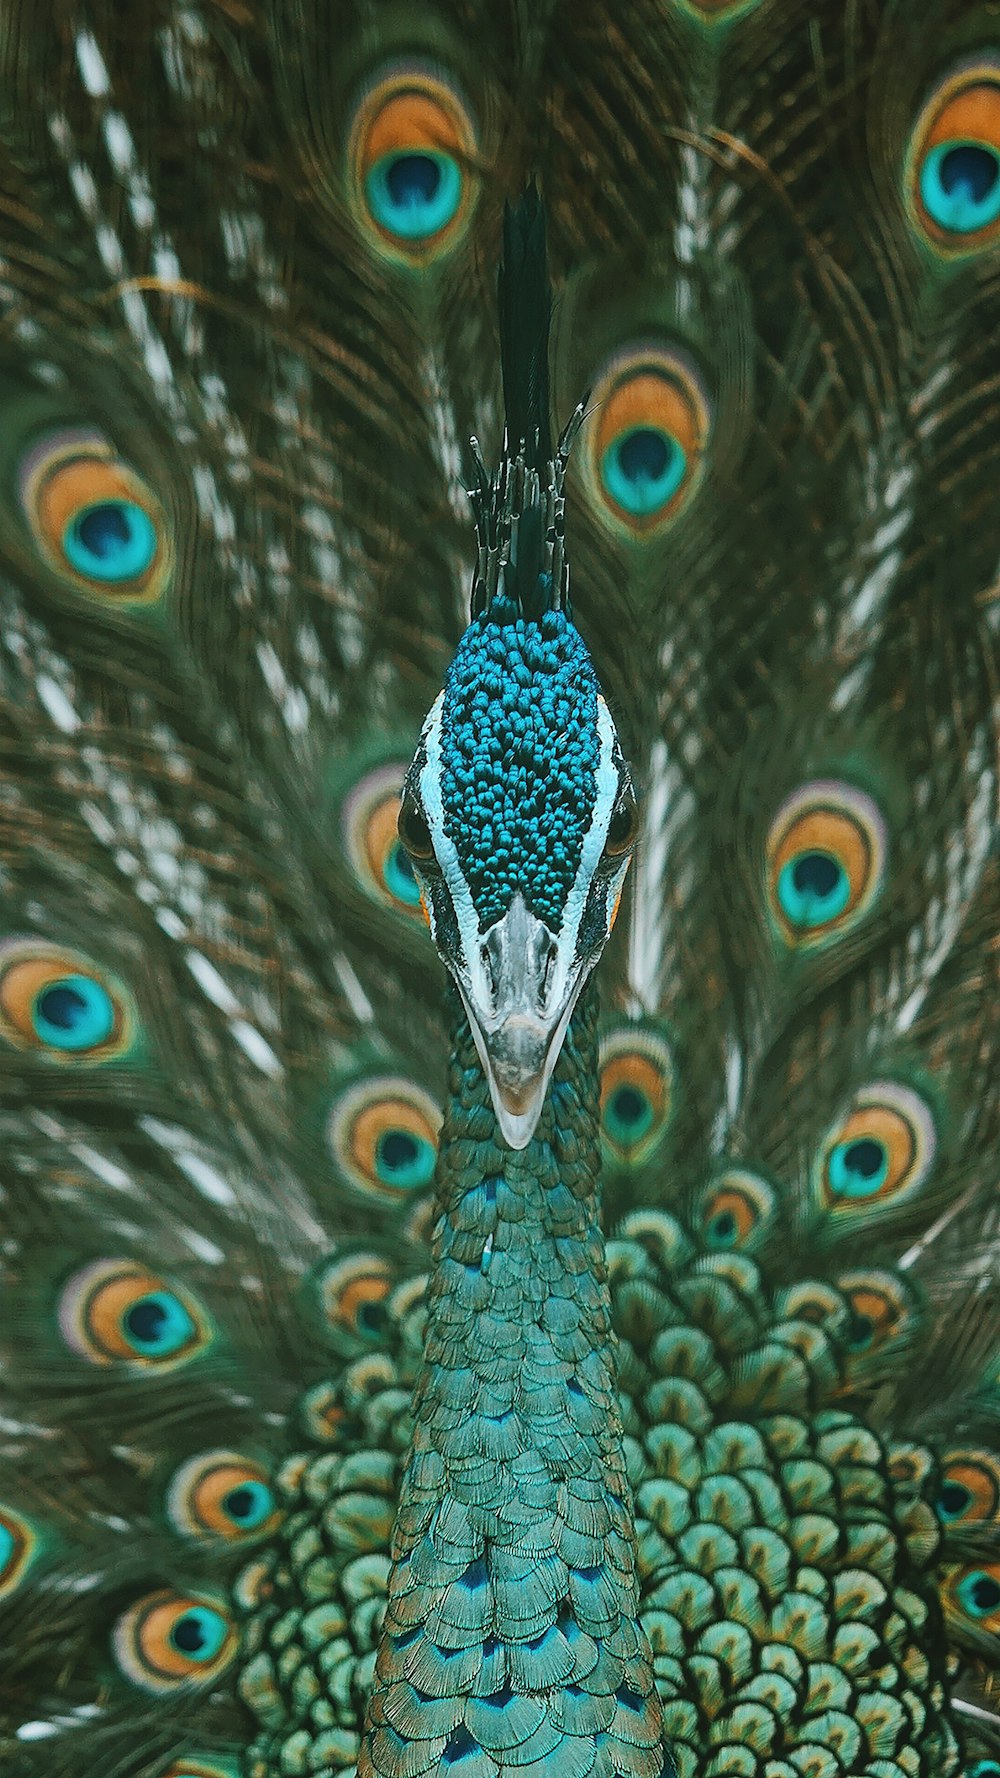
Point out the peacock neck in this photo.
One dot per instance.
(511, 1626)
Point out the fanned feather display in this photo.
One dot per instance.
(702, 1473)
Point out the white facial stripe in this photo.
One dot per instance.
(444, 847)
(608, 784)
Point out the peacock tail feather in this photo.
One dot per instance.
(338, 1435)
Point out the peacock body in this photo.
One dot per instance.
(639, 1412)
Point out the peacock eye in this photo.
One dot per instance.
(58, 1003)
(370, 826)
(412, 145)
(974, 1595)
(171, 1639)
(116, 1311)
(623, 826)
(881, 1152)
(383, 1132)
(94, 519)
(970, 1488)
(736, 1210)
(353, 1292)
(825, 861)
(647, 438)
(636, 1079)
(221, 1494)
(954, 161)
(413, 829)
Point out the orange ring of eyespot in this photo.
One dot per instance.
(110, 1302)
(855, 837)
(901, 1122)
(366, 1111)
(738, 1203)
(981, 1482)
(360, 1292)
(403, 113)
(651, 390)
(219, 1476)
(988, 1624)
(369, 816)
(887, 1126)
(97, 1298)
(83, 470)
(148, 1624)
(965, 106)
(371, 1123)
(631, 1068)
(877, 1309)
(20, 985)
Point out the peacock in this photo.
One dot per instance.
(499, 956)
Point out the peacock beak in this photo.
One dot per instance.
(519, 993)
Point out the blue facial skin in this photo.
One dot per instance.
(519, 755)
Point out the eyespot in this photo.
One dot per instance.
(983, 1768)
(369, 820)
(879, 1312)
(736, 1210)
(384, 1136)
(116, 1311)
(170, 1639)
(221, 1494)
(881, 1152)
(354, 1290)
(413, 829)
(969, 1490)
(636, 1080)
(412, 150)
(646, 437)
(623, 826)
(95, 521)
(973, 1595)
(953, 164)
(56, 1002)
(17, 1546)
(825, 861)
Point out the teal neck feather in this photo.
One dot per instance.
(511, 1638)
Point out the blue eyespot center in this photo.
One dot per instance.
(199, 1633)
(723, 1230)
(113, 541)
(628, 1114)
(8, 1547)
(643, 469)
(813, 888)
(859, 1331)
(398, 876)
(405, 1160)
(980, 1593)
(414, 195)
(858, 1169)
(249, 1504)
(953, 1500)
(960, 186)
(158, 1324)
(73, 1013)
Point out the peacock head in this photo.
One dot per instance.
(519, 817)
